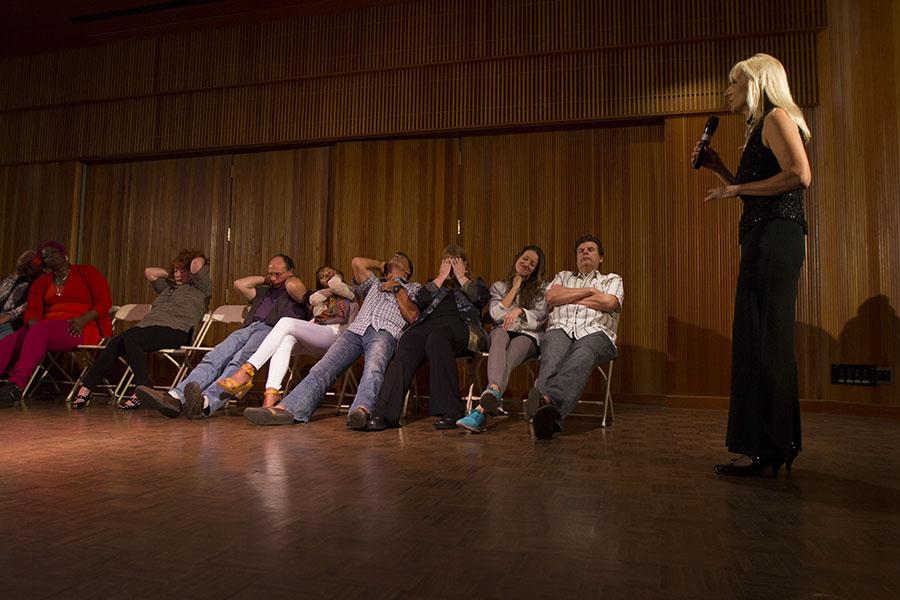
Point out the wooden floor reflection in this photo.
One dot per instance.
(101, 504)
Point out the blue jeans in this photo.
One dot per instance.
(378, 347)
(223, 360)
(5, 330)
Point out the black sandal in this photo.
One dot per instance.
(131, 403)
(80, 402)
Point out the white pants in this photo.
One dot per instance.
(315, 338)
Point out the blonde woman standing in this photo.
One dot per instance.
(764, 414)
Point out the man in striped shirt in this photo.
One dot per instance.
(581, 333)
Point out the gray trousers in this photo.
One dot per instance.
(566, 365)
(505, 353)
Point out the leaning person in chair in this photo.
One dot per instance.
(581, 334)
(14, 291)
(332, 305)
(518, 313)
(449, 325)
(183, 293)
(67, 306)
(279, 294)
(387, 308)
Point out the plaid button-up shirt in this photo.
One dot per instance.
(380, 309)
(577, 320)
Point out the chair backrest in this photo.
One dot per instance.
(229, 313)
(202, 329)
(132, 312)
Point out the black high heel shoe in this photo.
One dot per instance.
(789, 460)
(756, 465)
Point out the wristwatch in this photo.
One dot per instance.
(396, 289)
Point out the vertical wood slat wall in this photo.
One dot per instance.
(406, 69)
(679, 256)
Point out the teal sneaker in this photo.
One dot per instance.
(475, 422)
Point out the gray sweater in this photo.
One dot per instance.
(180, 306)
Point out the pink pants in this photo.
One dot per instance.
(28, 346)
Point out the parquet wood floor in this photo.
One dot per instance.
(101, 504)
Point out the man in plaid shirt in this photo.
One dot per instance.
(581, 333)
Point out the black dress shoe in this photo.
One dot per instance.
(9, 394)
(756, 467)
(545, 423)
(376, 424)
(446, 422)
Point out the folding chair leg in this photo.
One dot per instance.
(470, 397)
(124, 383)
(607, 399)
(34, 382)
(349, 379)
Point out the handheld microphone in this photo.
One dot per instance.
(711, 125)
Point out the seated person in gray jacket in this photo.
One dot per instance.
(518, 312)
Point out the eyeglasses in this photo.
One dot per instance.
(275, 275)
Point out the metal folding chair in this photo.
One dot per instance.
(472, 361)
(52, 370)
(85, 354)
(607, 403)
(178, 357)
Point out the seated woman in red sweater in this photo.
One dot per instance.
(67, 306)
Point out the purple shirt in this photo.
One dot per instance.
(270, 303)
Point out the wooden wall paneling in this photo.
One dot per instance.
(549, 188)
(394, 195)
(701, 262)
(703, 266)
(856, 150)
(142, 213)
(279, 205)
(411, 68)
(37, 206)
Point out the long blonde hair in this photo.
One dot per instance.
(767, 86)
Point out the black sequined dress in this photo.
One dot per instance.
(764, 412)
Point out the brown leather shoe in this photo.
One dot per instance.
(265, 415)
(161, 401)
(357, 419)
(193, 400)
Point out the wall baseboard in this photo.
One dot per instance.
(721, 403)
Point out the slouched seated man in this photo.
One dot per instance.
(278, 294)
(388, 307)
(581, 333)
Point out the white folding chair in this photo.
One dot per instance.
(227, 314)
(177, 357)
(472, 362)
(52, 369)
(607, 402)
(87, 353)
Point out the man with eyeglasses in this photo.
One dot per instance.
(387, 309)
(278, 294)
